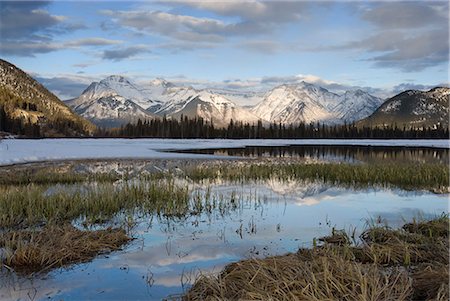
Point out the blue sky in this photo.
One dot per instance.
(383, 47)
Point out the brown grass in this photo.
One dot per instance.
(388, 265)
(29, 251)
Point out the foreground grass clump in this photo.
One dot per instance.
(53, 246)
(406, 264)
(433, 177)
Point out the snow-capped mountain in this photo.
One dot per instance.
(413, 108)
(115, 101)
(307, 103)
(210, 106)
(116, 85)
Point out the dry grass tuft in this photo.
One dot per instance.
(431, 282)
(294, 277)
(388, 265)
(56, 246)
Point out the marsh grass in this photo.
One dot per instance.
(43, 176)
(28, 205)
(36, 216)
(434, 177)
(388, 265)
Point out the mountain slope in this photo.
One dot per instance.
(413, 108)
(28, 104)
(308, 103)
(114, 101)
(356, 105)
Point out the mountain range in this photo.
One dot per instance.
(116, 100)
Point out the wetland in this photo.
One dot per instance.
(194, 229)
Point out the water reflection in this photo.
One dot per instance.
(337, 153)
(273, 217)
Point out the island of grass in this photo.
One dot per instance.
(410, 263)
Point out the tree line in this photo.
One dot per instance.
(198, 128)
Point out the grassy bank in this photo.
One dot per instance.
(405, 264)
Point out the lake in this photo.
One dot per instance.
(254, 218)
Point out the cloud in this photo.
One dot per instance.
(414, 53)
(242, 20)
(412, 86)
(412, 14)
(65, 86)
(404, 50)
(26, 28)
(262, 46)
(24, 48)
(31, 48)
(25, 20)
(181, 27)
(124, 53)
(92, 42)
(409, 36)
(253, 11)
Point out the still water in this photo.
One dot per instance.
(271, 217)
(335, 153)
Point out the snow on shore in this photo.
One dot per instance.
(13, 151)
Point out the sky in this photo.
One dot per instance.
(382, 47)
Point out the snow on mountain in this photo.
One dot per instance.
(109, 110)
(413, 108)
(356, 105)
(114, 101)
(296, 103)
(307, 103)
(210, 106)
(119, 85)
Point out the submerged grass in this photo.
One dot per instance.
(405, 264)
(434, 177)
